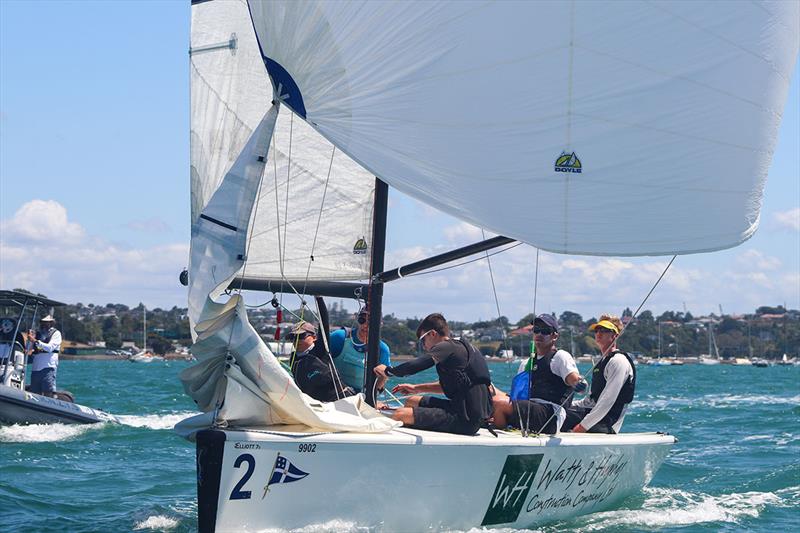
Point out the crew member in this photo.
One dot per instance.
(613, 383)
(46, 346)
(349, 351)
(463, 378)
(553, 378)
(312, 367)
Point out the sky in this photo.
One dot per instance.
(94, 190)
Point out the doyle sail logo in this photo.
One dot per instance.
(568, 162)
(360, 248)
(512, 488)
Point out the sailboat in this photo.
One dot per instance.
(474, 109)
(143, 356)
(712, 357)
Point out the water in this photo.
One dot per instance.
(736, 465)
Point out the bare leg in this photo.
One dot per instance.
(502, 411)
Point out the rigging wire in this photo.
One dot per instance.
(624, 328)
(494, 291)
(526, 430)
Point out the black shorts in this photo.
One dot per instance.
(533, 416)
(576, 414)
(440, 414)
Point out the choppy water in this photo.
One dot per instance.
(736, 466)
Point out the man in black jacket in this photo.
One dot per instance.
(463, 378)
(313, 368)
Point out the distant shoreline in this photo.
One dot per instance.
(112, 357)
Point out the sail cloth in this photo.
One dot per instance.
(237, 380)
(608, 128)
(230, 94)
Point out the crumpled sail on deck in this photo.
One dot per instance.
(608, 128)
(238, 137)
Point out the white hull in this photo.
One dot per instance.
(707, 360)
(21, 407)
(144, 358)
(409, 480)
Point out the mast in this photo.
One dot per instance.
(375, 293)
(144, 328)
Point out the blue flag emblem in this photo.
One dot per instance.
(285, 472)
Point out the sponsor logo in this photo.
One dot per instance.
(360, 248)
(568, 162)
(512, 489)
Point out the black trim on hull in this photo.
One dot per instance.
(210, 448)
(59, 416)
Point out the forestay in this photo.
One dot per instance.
(610, 128)
(237, 139)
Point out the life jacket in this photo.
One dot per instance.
(457, 375)
(350, 362)
(466, 382)
(547, 385)
(625, 394)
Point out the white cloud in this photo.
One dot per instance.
(60, 259)
(788, 219)
(465, 233)
(41, 221)
(592, 285)
(41, 250)
(755, 259)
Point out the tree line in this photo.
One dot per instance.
(768, 332)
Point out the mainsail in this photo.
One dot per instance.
(541, 121)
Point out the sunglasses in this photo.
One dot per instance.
(298, 336)
(543, 331)
(362, 319)
(420, 342)
(603, 330)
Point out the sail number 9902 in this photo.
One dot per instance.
(307, 448)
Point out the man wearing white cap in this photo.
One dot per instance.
(46, 345)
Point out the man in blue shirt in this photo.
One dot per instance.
(349, 350)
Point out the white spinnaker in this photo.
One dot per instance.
(237, 380)
(230, 93)
(672, 108)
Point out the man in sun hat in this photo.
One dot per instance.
(46, 346)
(613, 383)
(312, 367)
